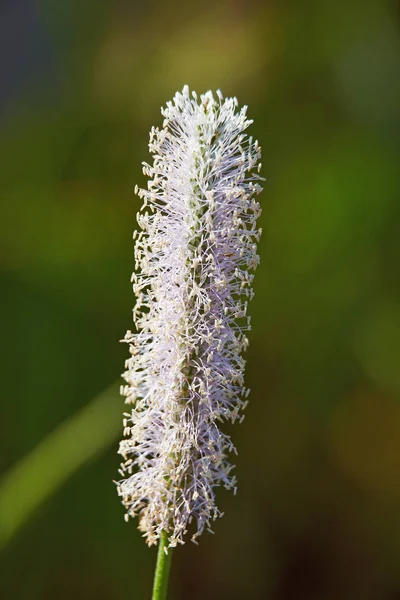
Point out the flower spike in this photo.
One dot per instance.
(194, 260)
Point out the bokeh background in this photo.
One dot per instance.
(317, 515)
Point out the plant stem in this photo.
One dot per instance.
(162, 569)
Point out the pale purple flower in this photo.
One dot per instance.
(193, 280)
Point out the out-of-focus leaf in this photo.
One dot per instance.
(42, 472)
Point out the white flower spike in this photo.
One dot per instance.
(194, 255)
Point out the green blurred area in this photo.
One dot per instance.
(317, 512)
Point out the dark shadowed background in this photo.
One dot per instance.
(317, 514)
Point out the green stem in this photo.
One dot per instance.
(162, 569)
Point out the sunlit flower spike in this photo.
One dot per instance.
(194, 261)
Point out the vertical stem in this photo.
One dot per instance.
(162, 569)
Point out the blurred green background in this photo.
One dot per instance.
(317, 515)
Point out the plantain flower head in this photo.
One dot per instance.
(195, 256)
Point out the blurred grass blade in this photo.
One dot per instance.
(38, 475)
